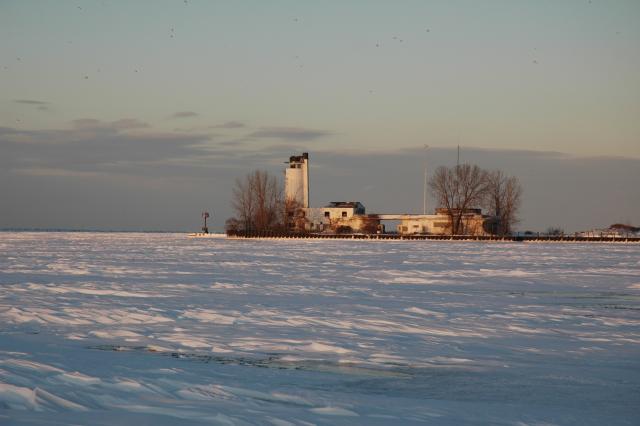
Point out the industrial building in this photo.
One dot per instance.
(351, 216)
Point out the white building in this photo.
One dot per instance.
(350, 216)
(296, 180)
(473, 223)
(337, 214)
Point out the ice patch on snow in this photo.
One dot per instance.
(333, 411)
(50, 399)
(77, 378)
(425, 312)
(115, 334)
(91, 291)
(30, 365)
(323, 348)
(18, 397)
(186, 340)
(207, 315)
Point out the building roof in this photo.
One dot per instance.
(345, 204)
(444, 210)
(299, 158)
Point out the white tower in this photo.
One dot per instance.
(296, 180)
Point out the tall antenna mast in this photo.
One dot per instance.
(458, 163)
(424, 199)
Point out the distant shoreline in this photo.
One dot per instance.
(141, 231)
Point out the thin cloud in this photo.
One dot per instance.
(229, 125)
(39, 105)
(122, 124)
(30, 102)
(289, 133)
(128, 123)
(232, 142)
(93, 145)
(184, 114)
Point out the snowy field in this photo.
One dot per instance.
(153, 329)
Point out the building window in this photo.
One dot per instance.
(327, 214)
(344, 214)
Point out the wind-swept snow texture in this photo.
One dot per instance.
(106, 329)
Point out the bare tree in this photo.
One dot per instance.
(268, 200)
(294, 217)
(503, 200)
(443, 186)
(458, 189)
(243, 202)
(258, 202)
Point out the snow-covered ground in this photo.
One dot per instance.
(112, 328)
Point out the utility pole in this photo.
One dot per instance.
(458, 162)
(424, 199)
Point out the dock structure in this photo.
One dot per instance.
(488, 238)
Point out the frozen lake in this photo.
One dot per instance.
(117, 328)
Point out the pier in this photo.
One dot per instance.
(488, 238)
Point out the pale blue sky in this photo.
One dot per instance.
(560, 75)
(239, 79)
